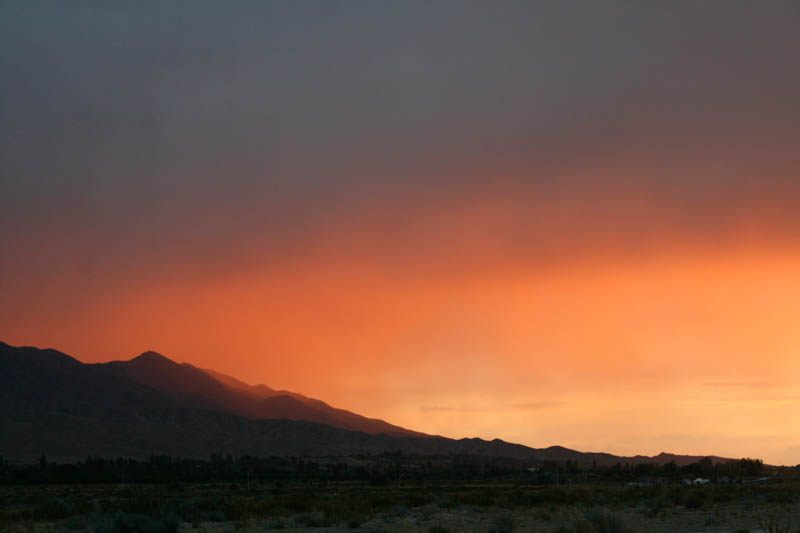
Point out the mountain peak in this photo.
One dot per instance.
(152, 357)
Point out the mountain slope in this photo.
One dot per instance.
(52, 403)
(193, 387)
(49, 380)
(326, 414)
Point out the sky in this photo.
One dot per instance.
(571, 223)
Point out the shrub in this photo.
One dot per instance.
(771, 524)
(783, 496)
(689, 497)
(581, 526)
(418, 499)
(694, 500)
(140, 523)
(503, 524)
(55, 509)
(314, 519)
(75, 524)
(603, 522)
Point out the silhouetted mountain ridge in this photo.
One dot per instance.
(54, 404)
(194, 387)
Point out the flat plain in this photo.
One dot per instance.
(430, 507)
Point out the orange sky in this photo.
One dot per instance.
(689, 349)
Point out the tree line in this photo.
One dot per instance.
(375, 469)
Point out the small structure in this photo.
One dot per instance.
(759, 481)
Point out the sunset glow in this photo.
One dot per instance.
(595, 244)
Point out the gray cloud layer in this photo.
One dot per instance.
(171, 131)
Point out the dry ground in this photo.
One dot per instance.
(430, 508)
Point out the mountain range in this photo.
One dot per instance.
(54, 404)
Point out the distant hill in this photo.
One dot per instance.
(52, 403)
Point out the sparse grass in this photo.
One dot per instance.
(500, 508)
(597, 522)
(503, 524)
(772, 524)
(604, 522)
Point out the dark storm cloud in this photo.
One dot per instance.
(133, 133)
